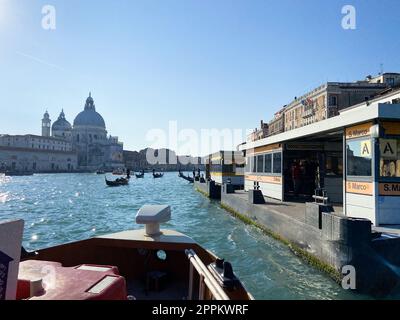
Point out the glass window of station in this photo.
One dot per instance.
(359, 157)
(269, 163)
(389, 162)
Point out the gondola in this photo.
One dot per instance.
(158, 175)
(140, 175)
(187, 178)
(117, 182)
(18, 173)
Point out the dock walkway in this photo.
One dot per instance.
(296, 210)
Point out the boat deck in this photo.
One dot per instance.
(172, 291)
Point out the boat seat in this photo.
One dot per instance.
(82, 282)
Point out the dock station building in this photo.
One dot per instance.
(353, 153)
(225, 167)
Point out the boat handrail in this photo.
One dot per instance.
(205, 278)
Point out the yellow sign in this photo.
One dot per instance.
(361, 130)
(389, 189)
(388, 148)
(391, 128)
(365, 149)
(264, 149)
(359, 187)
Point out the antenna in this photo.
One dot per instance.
(381, 69)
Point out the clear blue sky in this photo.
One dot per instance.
(204, 63)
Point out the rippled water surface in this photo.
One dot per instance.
(66, 207)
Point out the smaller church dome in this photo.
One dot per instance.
(61, 124)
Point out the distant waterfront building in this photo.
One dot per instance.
(168, 160)
(89, 139)
(36, 153)
(84, 146)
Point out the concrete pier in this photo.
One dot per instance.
(209, 189)
(326, 238)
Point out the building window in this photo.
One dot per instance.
(276, 164)
(390, 81)
(333, 101)
(260, 163)
(268, 163)
(359, 161)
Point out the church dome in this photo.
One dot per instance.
(61, 124)
(89, 116)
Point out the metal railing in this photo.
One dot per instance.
(206, 279)
(321, 196)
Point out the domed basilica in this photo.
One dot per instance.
(88, 136)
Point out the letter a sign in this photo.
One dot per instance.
(388, 148)
(366, 148)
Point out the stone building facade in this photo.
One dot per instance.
(36, 154)
(277, 124)
(260, 133)
(327, 100)
(84, 146)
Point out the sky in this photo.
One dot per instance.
(202, 64)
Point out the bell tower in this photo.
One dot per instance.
(46, 123)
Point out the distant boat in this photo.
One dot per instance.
(117, 182)
(18, 173)
(140, 175)
(100, 172)
(187, 178)
(158, 175)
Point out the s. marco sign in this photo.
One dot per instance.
(389, 189)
